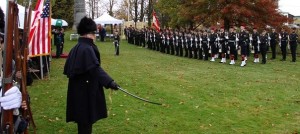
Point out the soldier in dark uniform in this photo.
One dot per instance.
(204, 43)
(186, 45)
(263, 46)
(232, 45)
(200, 48)
(125, 33)
(153, 40)
(117, 43)
(167, 42)
(147, 38)
(273, 42)
(137, 37)
(222, 41)
(255, 41)
(236, 44)
(198, 45)
(180, 43)
(143, 37)
(163, 42)
(172, 41)
(283, 37)
(129, 34)
(158, 41)
(189, 42)
(151, 37)
(248, 44)
(243, 43)
(176, 43)
(194, 45)
(293, 40)
(213, 44)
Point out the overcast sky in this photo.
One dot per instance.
(291, 6)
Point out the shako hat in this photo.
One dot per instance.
(86, 26)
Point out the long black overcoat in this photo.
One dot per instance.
(85, 97)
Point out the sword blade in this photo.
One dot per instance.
(137, 97)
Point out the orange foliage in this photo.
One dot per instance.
(232, 12)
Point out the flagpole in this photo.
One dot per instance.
(50, 34)
(47, 66)
(41, 67)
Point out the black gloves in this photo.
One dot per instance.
(113, 85)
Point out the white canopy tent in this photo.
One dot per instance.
(107, 19)
(3, 5)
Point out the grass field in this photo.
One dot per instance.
(197, 96)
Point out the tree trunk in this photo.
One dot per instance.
(142, 11)
(135, 12)
(111, 5)
(92, 2)
(150, 12)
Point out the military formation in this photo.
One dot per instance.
(216, 43)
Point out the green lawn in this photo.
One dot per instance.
(197, 96)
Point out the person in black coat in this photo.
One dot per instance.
(58, 38)
(293, 40)
(283, 37)
(62, 36)
(85, 97)
(102, 34)
(117, 43)
(263, 46)
(273, 42)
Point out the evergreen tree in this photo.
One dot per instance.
(63, 9)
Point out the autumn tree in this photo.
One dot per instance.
(122, 12)
(257, 13)
(135, 9)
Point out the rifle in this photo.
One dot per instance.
(218, 40)
(269, 39)
(288, 42)
(258, 43)
(279, 40)
(200, 38)
(27, 114)
(208, 42)
(7, 82)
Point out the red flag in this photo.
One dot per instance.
(40, 31)
(155, 22)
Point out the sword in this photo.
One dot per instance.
(137, 97)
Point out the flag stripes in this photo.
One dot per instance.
(40, 32)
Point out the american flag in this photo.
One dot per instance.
(40, 31)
